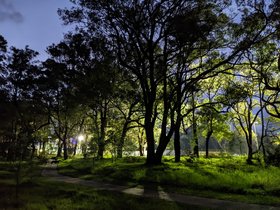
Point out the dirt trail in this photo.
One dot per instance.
(51, 172)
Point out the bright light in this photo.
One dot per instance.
(81, 137)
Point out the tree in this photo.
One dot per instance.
(246, 107)
(148, 37)
(20, 72)
(213, 120)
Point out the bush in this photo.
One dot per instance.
(273, 158)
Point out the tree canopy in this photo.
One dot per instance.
(205, 67)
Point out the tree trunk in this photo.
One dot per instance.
(65, 149)
(160, 150)
(208, 136)
(250, 155)
(194, 128)
(103, 125)
(195, 138)
(44, 148)
(59, 149)
(75, 149)
(250, 147)
(177, 146)
(141, 150)
(100, 151)
(263, 133)
(121, 141)
(120, 147)
(150, 145)
(33, 149)
(149, 129)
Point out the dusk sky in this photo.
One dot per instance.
(32, 22)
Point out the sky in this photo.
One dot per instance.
(32, 22)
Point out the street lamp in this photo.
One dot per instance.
(81, 137)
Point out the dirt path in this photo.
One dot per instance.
(51, 172)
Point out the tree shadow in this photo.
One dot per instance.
(150, 189)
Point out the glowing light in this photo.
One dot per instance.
(81, 137)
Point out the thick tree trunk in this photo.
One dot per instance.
(100, 151)
(160, 150)
(121, 140)
(141, 150)
(44, 148)
(150, 145)
(59, 149)
(149, 129)
(120, 148)
(250, 155)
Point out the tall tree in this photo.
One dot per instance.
(148, 37)
(20, 75)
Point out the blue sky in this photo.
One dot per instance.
(32, 22)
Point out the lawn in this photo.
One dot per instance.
(220, 177)
(39, 193)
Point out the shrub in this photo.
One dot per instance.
(273, 158)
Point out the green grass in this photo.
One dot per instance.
(40, 193)
(49, 195)
(225, 178)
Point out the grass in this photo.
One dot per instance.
(39, 193)
(49, 195)
(224, 178)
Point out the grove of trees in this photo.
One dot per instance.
(141, 75)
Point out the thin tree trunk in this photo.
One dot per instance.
(65, 149)
(250, 147)
(103, 125)
(33, 149)
(262, 124)
(194, 129)
(140, 142)
(177, 146)
(195, 137)
(208, 136)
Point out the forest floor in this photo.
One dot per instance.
(153, 192)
